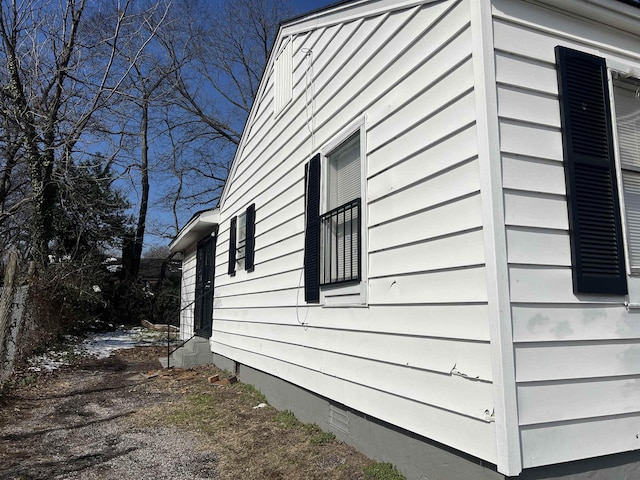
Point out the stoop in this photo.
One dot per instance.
(195, 351)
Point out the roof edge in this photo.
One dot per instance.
(201, 223)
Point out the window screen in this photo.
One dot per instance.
(343, 176)
(626, 94)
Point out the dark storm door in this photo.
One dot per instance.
(205, 266)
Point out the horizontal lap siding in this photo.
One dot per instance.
(187, 294)
(577, 356)
(414, 416)
(422, 343)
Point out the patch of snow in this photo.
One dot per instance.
(47, 362)
(100, 345)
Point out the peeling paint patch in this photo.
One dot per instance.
(458, 373)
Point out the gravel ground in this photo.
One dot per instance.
(120, 417)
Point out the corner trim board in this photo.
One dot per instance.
(508, 447)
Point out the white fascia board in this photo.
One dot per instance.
(347, 12)
(199, 225)
(609, 12)
(508, 448)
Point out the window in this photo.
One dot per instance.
(340, 224)
(626, 99)
(333, 236)
(242, 241)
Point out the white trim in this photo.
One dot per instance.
(197, 226)
(345, 133)
(355, 294)
(613, 13)
(343, 13)
(632, 301)
(508, 449)
(618, 167)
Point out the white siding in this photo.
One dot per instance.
(577, 357)
(187, 293)
(418, 354)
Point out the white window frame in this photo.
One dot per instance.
(633, 274)
(356, 293)
(612, 74)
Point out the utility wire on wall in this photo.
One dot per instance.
(310, 110)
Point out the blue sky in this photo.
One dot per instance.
(160, 216)
(304, 6)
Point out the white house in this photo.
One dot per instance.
(429, 240)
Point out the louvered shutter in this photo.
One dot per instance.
(312, 232)
(251, 234)
(594, 213)
(232, 246)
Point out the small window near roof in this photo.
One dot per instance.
(283, 77)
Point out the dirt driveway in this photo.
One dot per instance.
(120, 417)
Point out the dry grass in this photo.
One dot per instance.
(163, 424)
(260, 443)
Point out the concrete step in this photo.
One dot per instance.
(196, 351)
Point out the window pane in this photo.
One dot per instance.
(343, 176)
(627, 105)
(242, 240)
(626, 94)
(631, 187)
(340, 244)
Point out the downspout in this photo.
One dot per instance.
(508, 448)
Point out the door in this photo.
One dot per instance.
(205, 267)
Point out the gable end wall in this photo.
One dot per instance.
(417, 355)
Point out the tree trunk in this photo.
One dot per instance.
(6, 303)
(144, 180)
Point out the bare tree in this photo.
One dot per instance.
(144, 91)
(224, 51)
(60, 79)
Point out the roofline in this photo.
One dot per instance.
(195, 225)
(320, 10)
(296, 25)
(287, 25)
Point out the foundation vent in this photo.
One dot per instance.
(339, 419)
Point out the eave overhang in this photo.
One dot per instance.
(199, 225)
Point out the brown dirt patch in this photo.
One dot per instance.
(122, 417)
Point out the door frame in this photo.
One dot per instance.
(204, 287)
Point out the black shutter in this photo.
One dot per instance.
(592, 196)
(312, 232)
(232, 246)
(251, 237)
